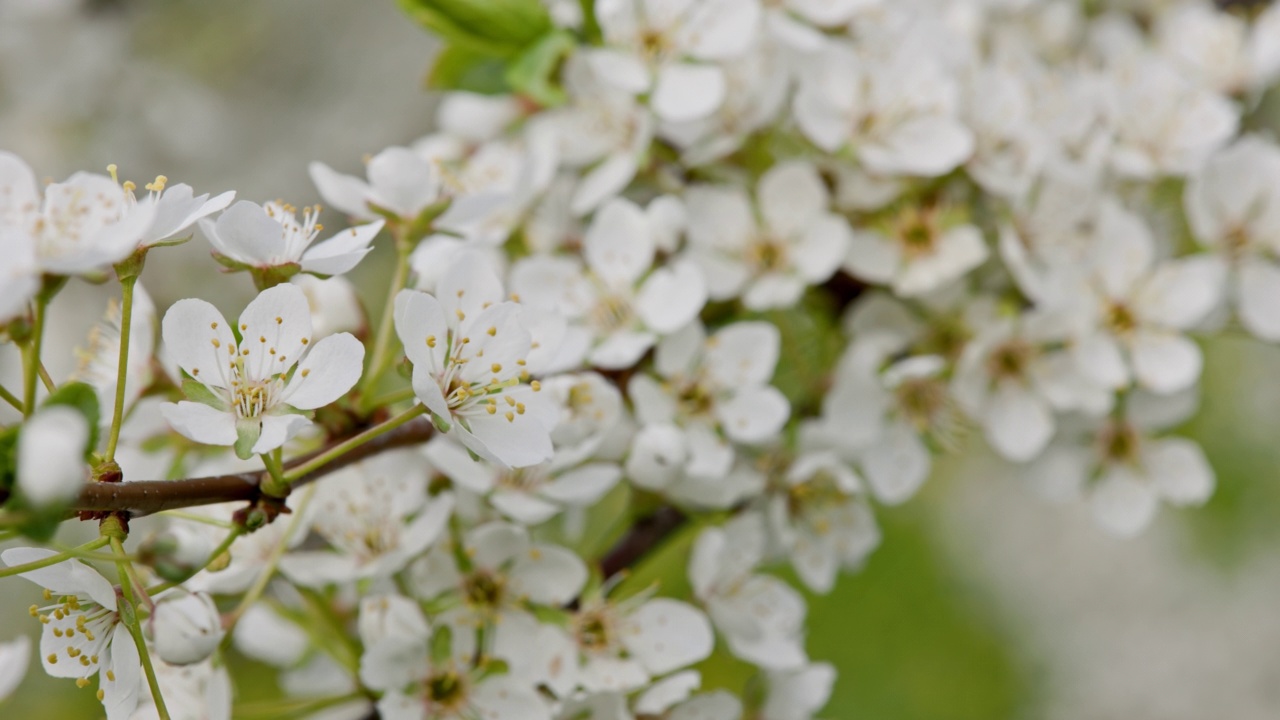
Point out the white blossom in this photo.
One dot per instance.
(797, 244)
(759, 616)
(271, 236)
(619, 304)
(82, 633)
(470, 350)
(246, 388)
(80, 226)
(376, 516)
(1233, 208)
(660, 48)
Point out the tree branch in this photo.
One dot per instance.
(646, 534)
(150, 496)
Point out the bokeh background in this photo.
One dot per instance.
(984, 602)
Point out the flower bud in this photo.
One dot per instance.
(51, 467)
(177, 552)
(186, 629)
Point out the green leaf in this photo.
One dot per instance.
(496, 27)
(83, 399)
(536, 70)
(459, 67)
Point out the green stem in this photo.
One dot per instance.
(125, 569)
(10, 398)
(353, 443)
(269, 569)
(273, 466)
(392, 398)
(54, 559)
(193, 517)
(122, 365)
(45, 378)
(223, 547)
(275, 709)
(31, 359)
(386, 326)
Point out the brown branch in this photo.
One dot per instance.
(150, 496)
(646, 534)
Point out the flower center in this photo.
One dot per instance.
(447, 689)
(917, 232)
(297, 236)
(767, 255)
(1120, 318)
(695, 399)
(1119, 442)
(612, 312)
(522, 479)
(484, 589)
(593, 629)
(921, 400)
(253, 399)
(1010, 360)
(819, 492)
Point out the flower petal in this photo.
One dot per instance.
(199, 340)
(666, 635)
(329, 370)
(200, 423)
(687, 92)
(275, 328)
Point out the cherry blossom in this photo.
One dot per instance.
(244, 387)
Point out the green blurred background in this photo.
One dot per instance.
(983, 603)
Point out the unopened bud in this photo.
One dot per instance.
(186, 629)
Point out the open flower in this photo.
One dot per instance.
(82, 632)
(798, 243)
(270, 236)
(79, 226)
(401, 180)
(619, 302)
(251, 379)
(469, 351)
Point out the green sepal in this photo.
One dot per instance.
(493, 666)
(269, 277)
(83, 399)
(247, 433)
(128, 614)
(441, 424)
(197, 391)
(535, 72)
(50, 287)
(171, 242)
(230, 264)
(442, 644)
(131, 267)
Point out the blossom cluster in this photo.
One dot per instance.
(748, 265)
